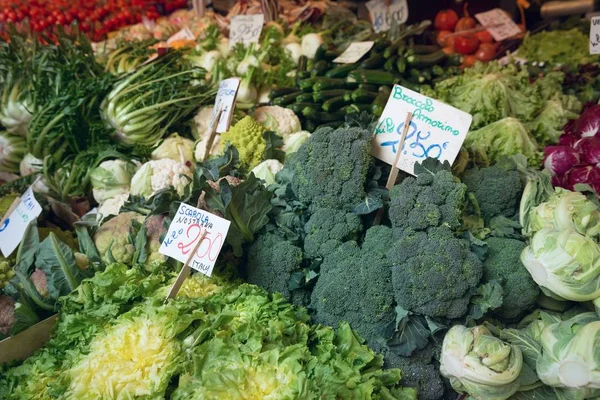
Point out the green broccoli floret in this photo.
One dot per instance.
(330, 168)
(355, 286)
(497, 188)
(427, 201)
(327, 229)
(433, 272)
(418, 372)
(247, 137)
(503, 264)
(271, 261)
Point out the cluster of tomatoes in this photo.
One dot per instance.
(464, 36)
(95, 17)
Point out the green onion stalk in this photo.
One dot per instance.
(12, 150)
(143, 105)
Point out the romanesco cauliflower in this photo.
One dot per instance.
(247, 137)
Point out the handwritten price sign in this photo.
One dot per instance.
(245, 29)
(354, 52)
(225, 101)
(498, 24)
(188, 226)
(382, 15)
(436, 130)
(595, 36)
(14, 225)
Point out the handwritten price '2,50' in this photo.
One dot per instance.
(208, 248)
(421, 149)
(244, 32)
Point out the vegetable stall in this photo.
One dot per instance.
(298, 200)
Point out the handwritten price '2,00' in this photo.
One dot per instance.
(209, 248)
(244, 33)
(421, 149)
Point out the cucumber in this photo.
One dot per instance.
(282, 91)
(285, 100)
(426, 60)
(298, 107)
(323, 95)
(425, 48)
(323, 83)
(320, 68)
(363, 96)
(312, 114)
(334, 104)
(341, 71)
(304, 98)
(371, 77)
(373, 62)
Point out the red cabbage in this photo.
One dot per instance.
(589, 175)
(588, 123)
(560, 159)
(588, 149)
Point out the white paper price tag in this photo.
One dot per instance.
(354, 52)
(225, 101)
(595, 35)
(14, 226)
(188, 226)
(436, 130)
(184, 34)
(498, 24)
(382, 15)
(245, 29)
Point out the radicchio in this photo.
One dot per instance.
(588, 123)
(560, 159)
(589, 175)
(589, 150)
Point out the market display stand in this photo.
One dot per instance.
(24, 344)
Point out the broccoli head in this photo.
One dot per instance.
(327, 229)
(433, 272)
(503, 264)
(427, 201)
(355, 286)
(248, 138)
(497, 188)
(271, 262)
(330, 168)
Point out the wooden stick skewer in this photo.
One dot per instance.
(394, 172)
(185, 271)
(213, 133)
(12, 208)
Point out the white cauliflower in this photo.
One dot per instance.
(201, 122)
(275, 118)
(156, 175)
(111, 206)
(292, 143)
(176, 148)
(267, 170)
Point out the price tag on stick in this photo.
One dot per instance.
(184, 34)
(382, 14)
(595, 35)
(14, 223)
(498, 24)
(436, 130)
(354, 52)
(245, 29)
(224, 104)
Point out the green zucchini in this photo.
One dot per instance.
(392, 49)
(304, 98)
(426, 60)
(282, 91)
(341, 71)
(381, 44)
(390, 64)
(302, 63)
(425, 48)
(371, 77)
(363, 96)
(320, 68)
(373, 62)
(323, 83)
(306, 84)
(334, 104)
(322, 95)
(312, 114)
(285, 100)
(379, 103)
(298, 107)
(369, 87)
(356, 108)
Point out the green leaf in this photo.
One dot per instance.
(411, 333)
(274, 145)
(27, 248)
(539, 393)
(87, 246)
(217, 167)
(25, 316)
(431, 166)
(56, 259)
(530, 348)
(488, 296)
(141, 254)
(373, 202)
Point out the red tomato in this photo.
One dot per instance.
(466, 44)
(469, 61)
(445, 20)
(465, 23)
(448, 50)
(484, 36)
(442, 38)
(485, 52)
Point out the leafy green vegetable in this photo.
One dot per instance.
(557, 47)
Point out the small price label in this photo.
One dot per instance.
(498, 24)
(14, 225)
(595, 36)
(245, 29)
(436, 130)
(382, 15)
(224, 103)
(184, 34)
(188, 226)
(354, 52)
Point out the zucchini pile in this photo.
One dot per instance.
(326, 91)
